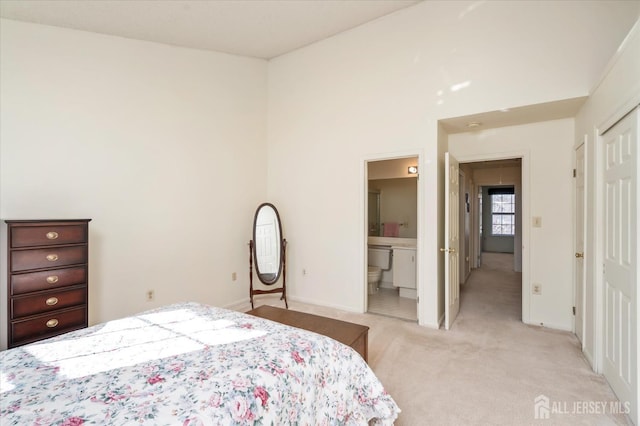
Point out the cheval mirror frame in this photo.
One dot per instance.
(267, 251)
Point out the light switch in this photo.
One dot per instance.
(537, 222)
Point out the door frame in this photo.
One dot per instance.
(364, 193)
(525, 217)
(462, 223)
(451, 247)
(580, 143)
(476, 214)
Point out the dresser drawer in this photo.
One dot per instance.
(47, 325)
(24, 260)
(45, 280)
(50, 301)
(29, 236)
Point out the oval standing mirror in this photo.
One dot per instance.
(267, 251)
(267, 243)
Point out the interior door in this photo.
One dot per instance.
(480, 234)
(579, 244)
(451, 240)
(620, 260)
(463, 253)
(267, 244)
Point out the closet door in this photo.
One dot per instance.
(620, 259)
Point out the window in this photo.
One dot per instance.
(503, 209)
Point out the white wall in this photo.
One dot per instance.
(379, 90)
(163, 147)
(549, 147)
(615, 95)
(495, 176)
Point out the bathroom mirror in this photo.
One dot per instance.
(267, 251)
(373, 213)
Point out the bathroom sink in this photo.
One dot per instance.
(393, 241)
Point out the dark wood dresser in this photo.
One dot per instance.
(47, 279)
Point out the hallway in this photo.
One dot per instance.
(492, 292)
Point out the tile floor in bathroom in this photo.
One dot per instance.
(387, 302)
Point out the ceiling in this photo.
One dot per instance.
(514, 116)
(256, 28)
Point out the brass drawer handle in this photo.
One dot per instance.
(52, 235)
(52, 279)
(51, 301)
(52, 323)
(52, 257)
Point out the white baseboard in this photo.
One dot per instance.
(550, 325)
(589, 359)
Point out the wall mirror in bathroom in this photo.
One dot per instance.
(373, 213)
(267, 252)
(392, 202)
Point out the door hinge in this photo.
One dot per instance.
(574, 310)
(574, 173)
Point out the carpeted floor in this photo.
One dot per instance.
(489, 368)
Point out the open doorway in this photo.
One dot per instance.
(392, 237)
(492, 230)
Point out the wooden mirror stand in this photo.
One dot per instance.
(267, 252)
(282, 289)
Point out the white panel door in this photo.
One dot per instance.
(267, 245)
(579, 244)
(451, 240)
(620, 261)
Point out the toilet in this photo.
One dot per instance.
(379, 260)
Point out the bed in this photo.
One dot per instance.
(190, 364)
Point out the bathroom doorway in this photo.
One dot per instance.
(392, 237)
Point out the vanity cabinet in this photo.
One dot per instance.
(404, 268)
(47, 278)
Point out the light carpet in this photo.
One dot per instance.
(489, 368)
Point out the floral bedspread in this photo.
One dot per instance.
(190, 364)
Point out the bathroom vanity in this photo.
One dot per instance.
(392, 241)
(403, 265)
(404, 270)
